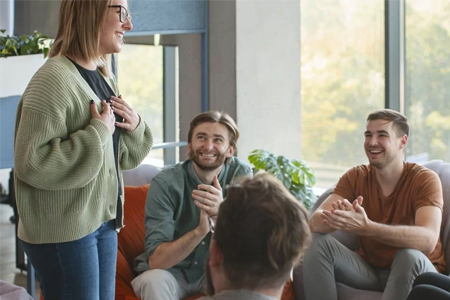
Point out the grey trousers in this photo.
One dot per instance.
(327, 261)
(162, 285)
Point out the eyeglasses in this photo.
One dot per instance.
(123, 13)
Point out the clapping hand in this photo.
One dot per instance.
(209, 197)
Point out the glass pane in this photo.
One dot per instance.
(427, 94)
(140, 77)
(342, 81)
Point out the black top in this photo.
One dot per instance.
(103, 91)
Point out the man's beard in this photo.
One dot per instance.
(381, 163)
(209, 287)
(220, 160)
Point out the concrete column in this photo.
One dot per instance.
(268, 76)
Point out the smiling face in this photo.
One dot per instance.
(210, 146)
(383, 145)
(111, 38)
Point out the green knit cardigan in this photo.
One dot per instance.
(65, 179)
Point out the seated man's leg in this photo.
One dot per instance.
(435, 279)
(425, 291)
(195, 288)
(158, 285)
(328, 261)
(407, 265)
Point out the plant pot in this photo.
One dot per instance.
(15, 74)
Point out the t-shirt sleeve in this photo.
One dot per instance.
(428, 191)
(346, 185)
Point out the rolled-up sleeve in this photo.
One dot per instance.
(159, 216)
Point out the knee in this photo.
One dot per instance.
(320, 239)
(319, 243)
(430, 278)
(157, 276)
(411, 259)
(152, 280)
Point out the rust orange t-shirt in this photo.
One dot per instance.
(417, 187)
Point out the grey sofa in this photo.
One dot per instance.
(142, 175)
(351, 241)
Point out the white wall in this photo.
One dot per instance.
(268, 76)
(7, 16)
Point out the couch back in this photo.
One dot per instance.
(443, 170)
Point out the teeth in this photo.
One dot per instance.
(209, 155)
(120, 35)
(375, 151)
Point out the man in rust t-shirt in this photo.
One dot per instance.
(396, 209)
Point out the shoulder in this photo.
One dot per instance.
(169, 174)
(57, 75)
(238, 165)
(420, 174)
(360, 171)
(426, 187)
(59, 64)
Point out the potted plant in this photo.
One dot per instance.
(24, 44)
(20, 57)
(296, 175)
(17, 62)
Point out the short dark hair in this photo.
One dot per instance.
(213, 116)
(400, 120)
(262, 231)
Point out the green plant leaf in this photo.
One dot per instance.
(24, 44)
(295, 175)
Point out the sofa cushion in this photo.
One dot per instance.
(131, 237)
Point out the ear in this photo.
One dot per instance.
(403, 141)
(216, 255)
(189, 148)
(230, 151)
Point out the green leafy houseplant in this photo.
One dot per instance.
(296, 175)
(24, 44)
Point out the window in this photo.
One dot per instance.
(342, 81)
(140, 77)
(427, 92)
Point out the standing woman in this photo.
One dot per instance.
(70, 149)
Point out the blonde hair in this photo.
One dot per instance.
(79, 30)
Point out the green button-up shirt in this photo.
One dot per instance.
(170, 213)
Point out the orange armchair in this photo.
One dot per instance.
(131, 244)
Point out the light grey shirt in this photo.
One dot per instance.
(238, 295)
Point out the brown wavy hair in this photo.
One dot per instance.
(262, 231)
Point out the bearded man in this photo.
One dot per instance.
(181, 209)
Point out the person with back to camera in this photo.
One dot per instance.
(262, 231)
(69, 156)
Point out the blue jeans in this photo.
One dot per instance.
(84, 269)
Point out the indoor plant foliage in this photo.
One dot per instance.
(24, 44)
(296, 175)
